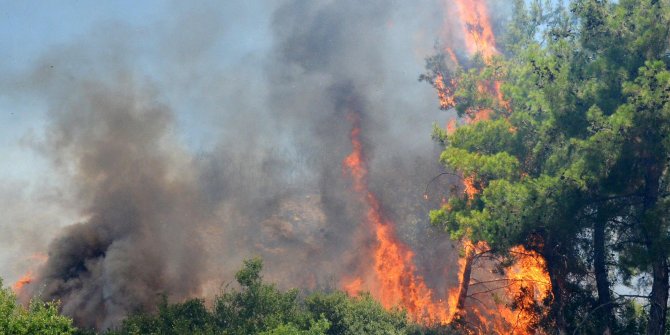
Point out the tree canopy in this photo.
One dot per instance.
(257, 307)
(38, 318)
(573, 161)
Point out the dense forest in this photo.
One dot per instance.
(563, 154)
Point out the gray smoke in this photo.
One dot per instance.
(144, 215)
(166, 211)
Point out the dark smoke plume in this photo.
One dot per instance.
(141, 232)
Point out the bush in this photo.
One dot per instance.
(39, 318)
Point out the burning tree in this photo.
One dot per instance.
(570, 161)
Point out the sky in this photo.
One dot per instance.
(29, 29)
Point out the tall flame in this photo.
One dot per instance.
(395, 282)
(479, 38)
(477, 30)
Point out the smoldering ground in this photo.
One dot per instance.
(184, 156)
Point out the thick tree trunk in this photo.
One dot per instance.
(464, 285)
(659, 297)
(659, 262)
(465, 280)
(558, 305)
(602, 280)
(556, 270)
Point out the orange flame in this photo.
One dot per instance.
(479, 39)
(477, 30)
(451, 126)
(353, 287)
(469, 187)
(395, 282)
(444, 92)
(529, 282)
(23, 281)
(36, 260)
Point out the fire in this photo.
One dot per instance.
(477, 30)
(444, 92)
(354, 162)
(526, 283)
(353, 287)
(529, 281)
(451, 126)
(23, 281)
(394, 280)
(36, 260)
(469, 187)
(479, 39)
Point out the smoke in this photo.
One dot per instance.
(140, 236)
(185, 156)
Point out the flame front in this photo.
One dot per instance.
(394, 282)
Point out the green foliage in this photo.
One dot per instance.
(257, 307)
(360, 315)
(583, 136)
(189, 317)
(319, 327)
(38, 318)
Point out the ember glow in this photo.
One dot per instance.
(394, 281)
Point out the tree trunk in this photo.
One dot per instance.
(659, 297)
(464, 285)
(556, 269)
(465, 280)
(659, 261)
(602, 279)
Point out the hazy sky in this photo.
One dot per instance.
(29, 29)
